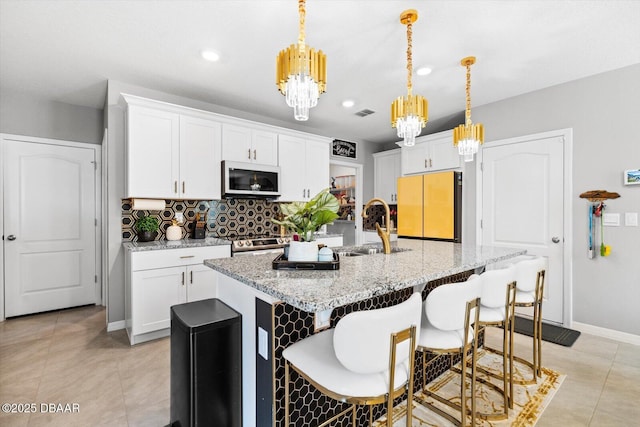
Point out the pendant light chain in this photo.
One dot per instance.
(468, 112)
(409, 59)
(301, 36)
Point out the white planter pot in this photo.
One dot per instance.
(303, 251)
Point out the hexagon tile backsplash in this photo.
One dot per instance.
(225, 218)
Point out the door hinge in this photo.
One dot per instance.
(95, 165)
(95, 222)
(481, 166)
(480, 223)
(95, 278)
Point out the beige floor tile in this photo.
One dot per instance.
(29, 328)
(151, 415)
(94, 386)
(23, 361)
(14, 420)
(628, 354)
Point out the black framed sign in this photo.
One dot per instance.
(346, 149)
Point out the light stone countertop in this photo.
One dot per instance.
(360, 277)
(157, 245)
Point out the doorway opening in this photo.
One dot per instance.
(346, 185)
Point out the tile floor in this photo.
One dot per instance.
(68, 357)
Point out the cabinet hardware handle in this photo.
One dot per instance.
(249, 151)
(254, 154)
(191, 277)
(430, 163)
(175, 187)
(183, 278)
(425, 163)
(187, 256)
(183, 191)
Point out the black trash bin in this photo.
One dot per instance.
(206, 365)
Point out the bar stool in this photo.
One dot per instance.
(449, 312)
(367, 359)
(497, 308)
(530, 278)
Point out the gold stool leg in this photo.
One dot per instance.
(286, 393)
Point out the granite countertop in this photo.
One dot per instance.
(360, 277)
(174, 244)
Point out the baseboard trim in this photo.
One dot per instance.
(606, 333)
(115, 326)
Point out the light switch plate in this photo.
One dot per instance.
(631, 219)
(322, 319)
(263, 343)
(611, 219)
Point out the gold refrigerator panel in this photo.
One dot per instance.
(410, 206)
(439, 205)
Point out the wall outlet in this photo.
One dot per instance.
(611, 219)
(631, 219)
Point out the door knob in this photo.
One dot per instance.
(11, 237)
(555, 239)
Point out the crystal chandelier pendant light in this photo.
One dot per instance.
(468, 137)
(409, 114)
(301, 73)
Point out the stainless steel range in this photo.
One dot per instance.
(258, 245)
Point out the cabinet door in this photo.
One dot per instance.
(236, 143)
(414, 159)
(200, 156)
(410, 206)
(387, 171)
(152, 153)
(292, 161)
(153, 292)
(442, 153)
(317, 167)
(265, 148)
(201, 283)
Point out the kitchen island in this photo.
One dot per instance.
(280, 307)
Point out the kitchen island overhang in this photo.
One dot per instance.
(280, 307)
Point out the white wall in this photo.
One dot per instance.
(603, 111)
(24, 114)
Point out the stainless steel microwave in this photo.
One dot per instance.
(250, 180)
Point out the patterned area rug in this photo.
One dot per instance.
(529, 401)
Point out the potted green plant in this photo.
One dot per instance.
(304, 219)
(147, 228)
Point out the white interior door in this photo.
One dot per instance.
(49, 227)
(522, 206)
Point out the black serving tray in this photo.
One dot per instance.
(282, 263)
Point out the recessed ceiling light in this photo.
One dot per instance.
(210, 55)
(423, 71)
(348, 103)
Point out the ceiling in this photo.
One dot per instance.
(67, 50)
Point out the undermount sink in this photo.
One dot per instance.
(369, 251)
(341, 254)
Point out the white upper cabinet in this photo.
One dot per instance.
(200, 157)
(244, 144)
(304, 167)
(431, 153)
(387, 170)
(170, 155)
(152, 153)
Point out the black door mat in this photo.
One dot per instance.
(550, 333)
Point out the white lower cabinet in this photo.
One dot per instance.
(158, 279)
